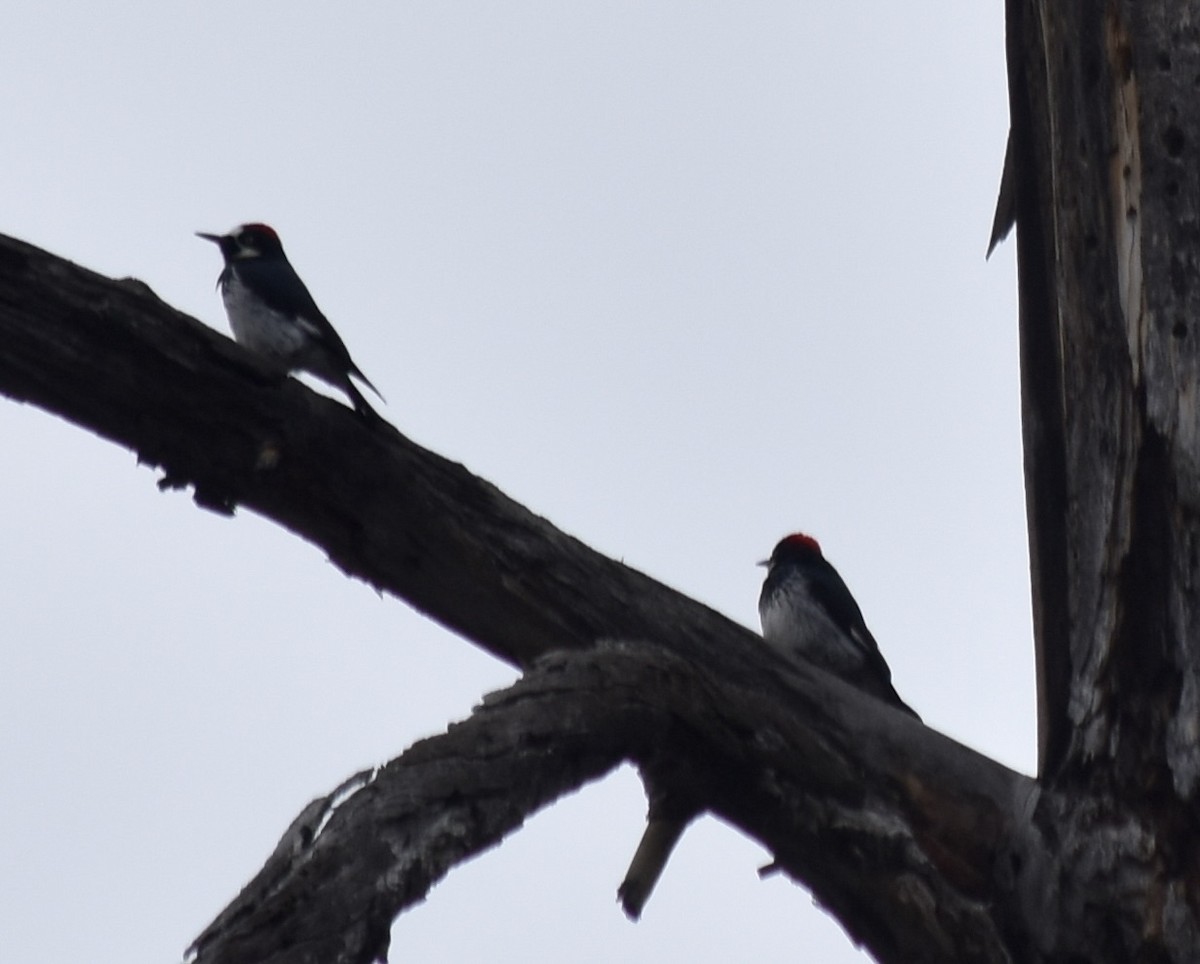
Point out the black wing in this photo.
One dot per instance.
(875, 677)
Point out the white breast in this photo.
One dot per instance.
(258, 328)
(795, 625)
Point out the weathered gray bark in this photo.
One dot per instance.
(1106, 127)
(924, 850)
(1105, 132)
(783, 763)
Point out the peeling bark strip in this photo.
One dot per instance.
(1126, 188)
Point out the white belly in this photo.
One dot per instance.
(260, 329)
(794, 624)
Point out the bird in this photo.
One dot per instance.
(806, 612)
(272, 313)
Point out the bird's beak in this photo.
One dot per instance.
(763, 562)
(214, 238)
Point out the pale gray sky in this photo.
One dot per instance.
(680, 277)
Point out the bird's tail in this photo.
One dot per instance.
(361, 405)
(354, 370)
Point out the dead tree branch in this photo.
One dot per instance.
(902, 859)
(882, 817)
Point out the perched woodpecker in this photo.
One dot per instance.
(807, 611)
(272, 313)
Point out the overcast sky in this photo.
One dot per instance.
(681, 277)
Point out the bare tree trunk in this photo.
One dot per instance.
(1105, 131)
(924, 850)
